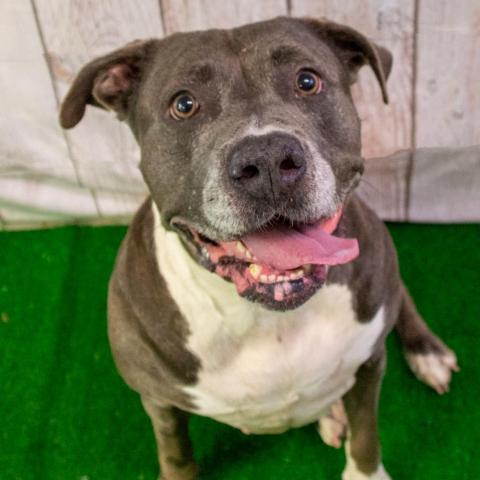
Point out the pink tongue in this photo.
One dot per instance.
(284, 248)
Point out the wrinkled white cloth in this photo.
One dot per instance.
(425, 185)
(422, 185)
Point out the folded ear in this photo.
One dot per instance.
(355, 50)
(107, 82)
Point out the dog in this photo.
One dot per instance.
(253, 286)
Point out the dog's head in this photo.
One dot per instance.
(250, 143)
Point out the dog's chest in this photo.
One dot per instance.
(286, 369)
(264, 371)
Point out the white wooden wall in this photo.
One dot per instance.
(89, 174)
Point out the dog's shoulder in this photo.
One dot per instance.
(146, 329)
(361, 222)
(374, 276)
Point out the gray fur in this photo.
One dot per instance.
(242, 78)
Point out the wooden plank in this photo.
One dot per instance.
(202, 14)
(448, 73)
(75, 32)
(385, 129)
(31, 137)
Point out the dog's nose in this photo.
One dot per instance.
(267, 164)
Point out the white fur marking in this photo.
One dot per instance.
(333, 425)
(264, 371)
(253, 130)
(434, 369)
(352, 472)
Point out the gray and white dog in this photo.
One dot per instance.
(253, 286)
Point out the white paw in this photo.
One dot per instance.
(352, 473)
(332, 427)
(434, 369)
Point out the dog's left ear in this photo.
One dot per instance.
(355, 50)
(107, 82)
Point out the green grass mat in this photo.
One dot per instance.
(66, 415)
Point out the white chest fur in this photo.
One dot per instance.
(264, 371)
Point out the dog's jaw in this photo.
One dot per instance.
(280, 266)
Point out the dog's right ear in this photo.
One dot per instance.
(107, 82)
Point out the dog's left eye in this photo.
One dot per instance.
(308, 83)
(183, 106)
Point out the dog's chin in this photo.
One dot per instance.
(277, 266)
(288, 294)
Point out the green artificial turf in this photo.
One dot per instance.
(65, 414)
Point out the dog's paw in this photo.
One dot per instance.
(161, 477)
(332, 427)
(434, 368)
(187, 472)
(352, 473)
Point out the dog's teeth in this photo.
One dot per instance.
(300, 272)
(272, 278)
(240, 247)
(244, 250)
(255, 270)
(281, 278)
(264, 278)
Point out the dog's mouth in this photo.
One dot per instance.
(281, 265)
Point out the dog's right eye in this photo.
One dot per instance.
(183, 106)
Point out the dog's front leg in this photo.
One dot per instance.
(170, 426)
(362, 447)
(428, 357)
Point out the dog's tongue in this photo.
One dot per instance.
(287, 248)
